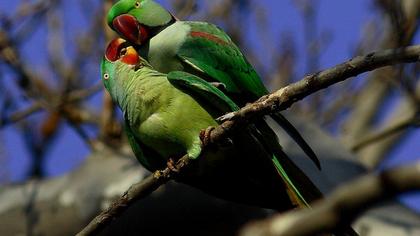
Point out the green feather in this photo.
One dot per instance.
(211, 50)
(204, 89)
(288, 181)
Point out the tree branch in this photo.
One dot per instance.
(342, 207)
(135, 192)
(374, 153)
(285, 97)
(379, 85)
(280, 100)
(19, 115)
(386, 132)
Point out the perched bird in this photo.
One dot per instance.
(199, 48)
(164, 115)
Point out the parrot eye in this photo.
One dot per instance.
(106, 76)
(137, 4)
(123, 52)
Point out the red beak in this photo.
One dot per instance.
(112, 52)
(129, 28)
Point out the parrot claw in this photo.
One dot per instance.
(226, 117)
(205, 135)
(172, 165)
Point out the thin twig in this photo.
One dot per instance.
(372, 95)
(404, 109)
(280, 100)
(81, 94)
(285, 97)
(342, 206)
(395, 128)
(28, 81)
(184, 8)
(19, 115)
(73, 97)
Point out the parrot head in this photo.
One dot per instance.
(134, 19)
(118, 51)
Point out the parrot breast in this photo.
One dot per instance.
(161, 52)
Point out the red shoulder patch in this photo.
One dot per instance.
(208, 36)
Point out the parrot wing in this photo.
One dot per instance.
(203, 89)
(209, 50)
(141, 151)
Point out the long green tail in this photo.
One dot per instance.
(294, 194)
(300, 188)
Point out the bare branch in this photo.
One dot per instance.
(379, 150)
(19, 115)
(280, 100)
(285, 97)
(378, 87)
(73, 97)
(135, 192)
(77, 95)
(391, 130)
(341, 207)
(184, 8)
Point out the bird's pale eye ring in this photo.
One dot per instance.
(137, 4)
(106, 76)
(123, 52)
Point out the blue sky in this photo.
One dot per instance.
(337, 18)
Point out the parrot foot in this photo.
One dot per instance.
(172, 165)
(205, 136)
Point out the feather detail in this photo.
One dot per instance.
(211, 37)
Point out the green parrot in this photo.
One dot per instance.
(199, 48)
(165, 114)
